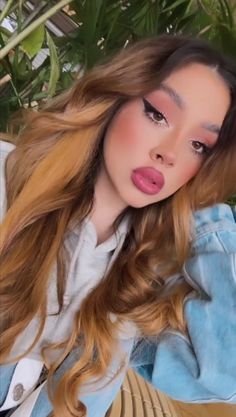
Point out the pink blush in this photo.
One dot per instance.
(127, 127)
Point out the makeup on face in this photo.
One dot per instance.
(167, 97)
(157, 143)
(148, 180)
(165, 107)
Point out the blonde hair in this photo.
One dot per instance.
(50, 186)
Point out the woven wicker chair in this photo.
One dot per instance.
(137, 398)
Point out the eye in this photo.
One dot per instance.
(153, 114)
(200, 148)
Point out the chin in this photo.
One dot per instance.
(139, 204)
(140, 201)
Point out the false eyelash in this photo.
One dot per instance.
(206, 152)
(148, 108)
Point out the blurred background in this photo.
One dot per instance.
(44, 43)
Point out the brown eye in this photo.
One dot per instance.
(153, 114)
(157, 116)
(197, 145)
(200, 148)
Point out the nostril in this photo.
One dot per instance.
(167, 158)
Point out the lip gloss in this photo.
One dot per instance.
(148, 180)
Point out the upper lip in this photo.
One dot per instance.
(151, 174)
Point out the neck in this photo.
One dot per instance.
(103, 225)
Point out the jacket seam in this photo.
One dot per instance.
(205, 230)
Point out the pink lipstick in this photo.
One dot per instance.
(148, 180)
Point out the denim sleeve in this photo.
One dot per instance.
(201, 367)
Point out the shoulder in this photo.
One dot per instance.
(215, 229)
(214, 217)
(5, 148)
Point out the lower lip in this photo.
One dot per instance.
(144, 184)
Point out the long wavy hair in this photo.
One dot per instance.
(50, 178)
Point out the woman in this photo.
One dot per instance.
(97, 223)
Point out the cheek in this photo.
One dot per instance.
(190, 170)
(124, 133)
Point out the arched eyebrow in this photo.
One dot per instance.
(213, 128)
(173, 95)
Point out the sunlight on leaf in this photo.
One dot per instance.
(55, 68)
(33, 43)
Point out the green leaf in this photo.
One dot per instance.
(33, 43)
(173, 5)
(54, 66)
(227, 13)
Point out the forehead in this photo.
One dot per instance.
(198, 88)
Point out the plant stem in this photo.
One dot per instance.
(38, 9)
(12, 43)
(16, 93)
(5, 79)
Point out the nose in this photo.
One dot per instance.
(163, 155)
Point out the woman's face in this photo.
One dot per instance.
(157, 143)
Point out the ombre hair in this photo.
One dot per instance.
(50, 178)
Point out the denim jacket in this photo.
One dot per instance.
(200, 367)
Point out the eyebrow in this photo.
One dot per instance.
(182, 105)
(211, 127)
(173, 95)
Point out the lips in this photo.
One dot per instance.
(148, 180)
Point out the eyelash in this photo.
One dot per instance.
(148, 109)
(206, 150)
